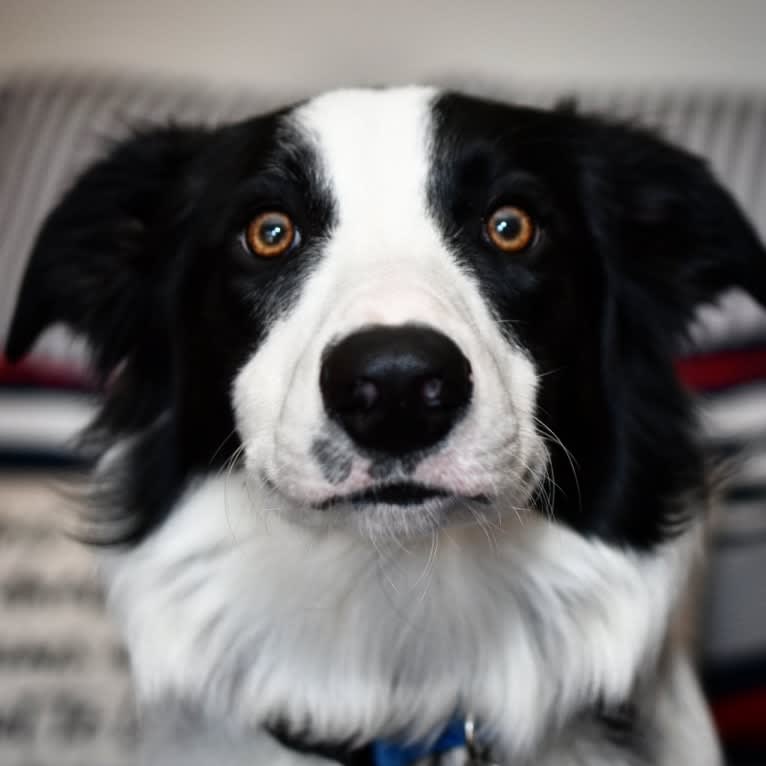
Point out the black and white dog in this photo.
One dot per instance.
(392, 439)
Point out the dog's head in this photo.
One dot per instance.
(398, 309)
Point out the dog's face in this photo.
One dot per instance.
(388, 392)
(399, 309)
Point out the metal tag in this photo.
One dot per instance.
(476, 753)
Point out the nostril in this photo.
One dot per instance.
(431, 392)
(365, 394)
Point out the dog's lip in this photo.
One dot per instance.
(394, 493)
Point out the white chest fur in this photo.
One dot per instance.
(257, 618)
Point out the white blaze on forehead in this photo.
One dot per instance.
(373, 148)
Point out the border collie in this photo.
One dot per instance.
(392, 440)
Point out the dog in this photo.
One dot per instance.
(392, 444)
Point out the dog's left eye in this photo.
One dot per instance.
(271, 234)
(510, 229)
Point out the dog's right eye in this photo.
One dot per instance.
(510, 229)
(271, 234)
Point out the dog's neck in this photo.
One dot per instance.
(526, 624)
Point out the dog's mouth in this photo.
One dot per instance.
(399, 494)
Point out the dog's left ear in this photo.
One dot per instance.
(668, 238)
(675, 236)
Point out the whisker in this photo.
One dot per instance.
(221, 446)
(382, 559)
(485, 527)
(573, 465)
(226, 471)
(425, 575)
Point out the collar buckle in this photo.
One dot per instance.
(476, 753)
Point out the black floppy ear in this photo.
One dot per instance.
(668, 237)
(677, 237)
(98, 260)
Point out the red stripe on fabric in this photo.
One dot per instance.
(728, 368)
(38, 372)
(742, 716)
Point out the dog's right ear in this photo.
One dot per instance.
(98, 262)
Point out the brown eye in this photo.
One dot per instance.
(270, 234)
(510, 229)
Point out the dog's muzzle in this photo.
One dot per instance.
(396, 390)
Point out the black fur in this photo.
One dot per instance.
(635, 235)
(143, 256)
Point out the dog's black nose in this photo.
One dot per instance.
(396, 389)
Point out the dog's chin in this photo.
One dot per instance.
(389, 510)
(404, 509)
(380, 520)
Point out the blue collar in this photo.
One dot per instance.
(390, 754)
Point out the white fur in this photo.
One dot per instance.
(255, 618)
